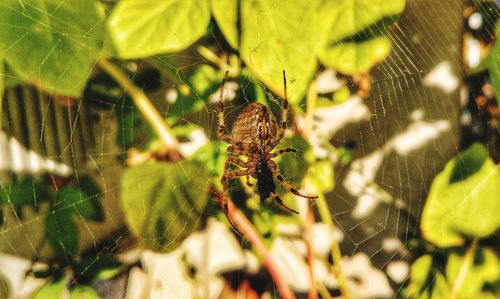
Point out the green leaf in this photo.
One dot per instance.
(420, 271)
(485, 269)
(52, 290)
(293, 165)
(440, 289)
(51, 43)
(284, 35)
(353, 16)
(469, 207)
(75, 200)
(93, 209)
(29, 191)
(144, 28)
(84, 292)
(163, 202)
(225, 13)
(62, 233)
(493, 64)
(356, 57)
(321, 174)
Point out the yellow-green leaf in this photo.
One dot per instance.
(141, 28)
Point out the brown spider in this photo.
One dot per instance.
(254, 135)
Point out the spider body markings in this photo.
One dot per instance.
(254, 135)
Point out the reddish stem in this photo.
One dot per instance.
(249, 232)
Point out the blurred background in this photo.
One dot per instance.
(110, 165)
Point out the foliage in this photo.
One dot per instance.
(461, 207)
(163, 202)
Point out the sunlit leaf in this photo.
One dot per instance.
(292, 165)
(51, 43)
(420, 272)
(225, 13)
(353, 16)
(163, 202)
(284, 35)
(465, 207)
(52, 290)
(144, 28)
(321, 175)
(62, 233)
(485, 269)
(441, 287)
(84, 292)
(356, 57)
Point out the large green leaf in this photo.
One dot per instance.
(356, 57)
(284, 35)
(51, 43)
(485, 269)
(163, 202)
(28, 191)
(62, 233)
(142, 28)
(225, 13)
(353, 16)
(463, 204)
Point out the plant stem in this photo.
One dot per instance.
(145, 106)
(313, 292)
(251, 234)
(326, 217)
(464, 269)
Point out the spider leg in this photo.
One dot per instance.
(284, 114)
(280, 202)
(282, 151)
(274, 168)
(220, 110)
(229, 174)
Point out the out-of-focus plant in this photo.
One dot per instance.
(67, 48)
(458, 218)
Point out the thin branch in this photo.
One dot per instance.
(326, 217)
(251, 234)
(313, 292)
(145, 106)
(464, 269)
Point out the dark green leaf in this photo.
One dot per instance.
(51, 43)
(293, 165)
(468, 207)
(93, 209)
(493, 64)
(225, 13)
(62, 233)
(144, 28)
(29, 191)
(84, 292)
(163, 202)
(75, 200)
(52, 290)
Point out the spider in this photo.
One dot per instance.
(254, 135)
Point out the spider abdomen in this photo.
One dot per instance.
(255, 124)
(265, 181)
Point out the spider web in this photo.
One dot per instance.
(407, 130)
